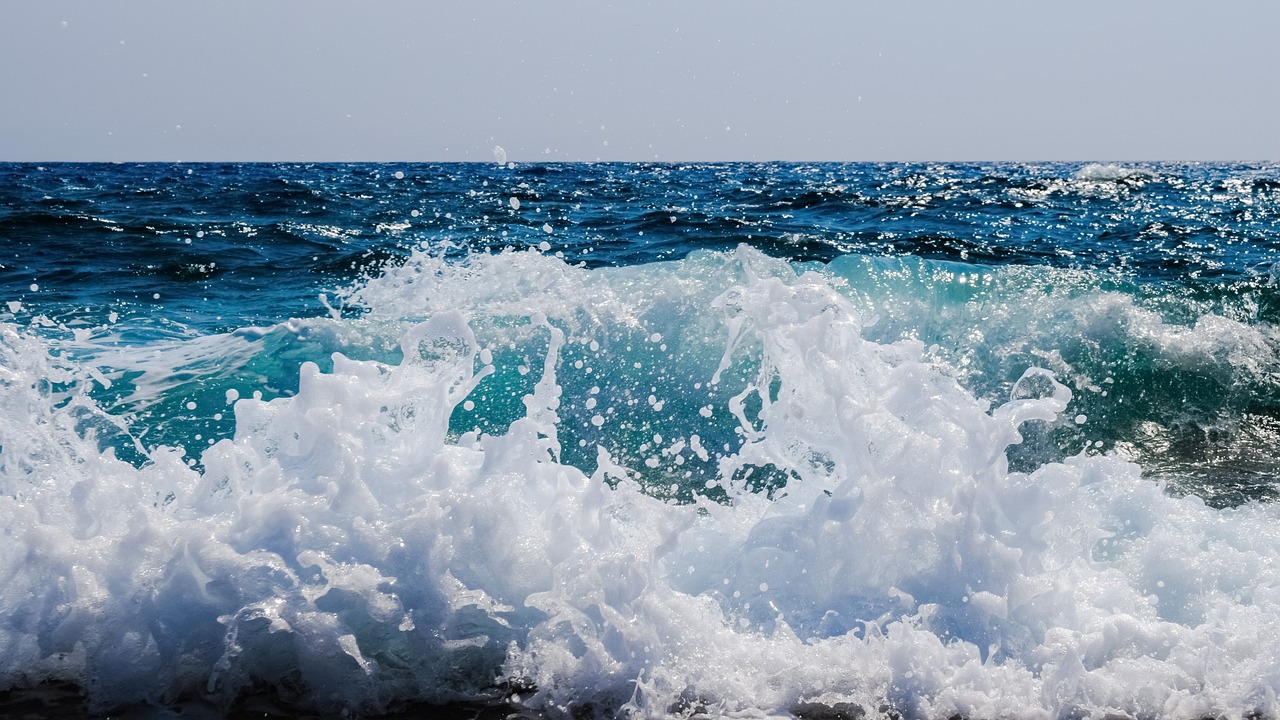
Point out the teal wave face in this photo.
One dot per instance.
(1182, 379)
(1177, 378)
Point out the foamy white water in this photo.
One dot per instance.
(354, 546)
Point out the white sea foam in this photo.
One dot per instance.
(348, 548)
(1108, 171)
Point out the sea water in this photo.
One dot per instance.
(743, 440)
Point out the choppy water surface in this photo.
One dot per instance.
(988, 440)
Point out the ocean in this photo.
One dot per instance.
(646, 440)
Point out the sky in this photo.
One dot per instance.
(393, 80)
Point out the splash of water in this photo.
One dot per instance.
(354, 545)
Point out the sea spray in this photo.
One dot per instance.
(358, 543)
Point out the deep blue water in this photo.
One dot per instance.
(632, 437)
(264, 237)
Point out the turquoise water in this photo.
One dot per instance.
(1148, 288)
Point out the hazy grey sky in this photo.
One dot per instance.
(395, 80)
